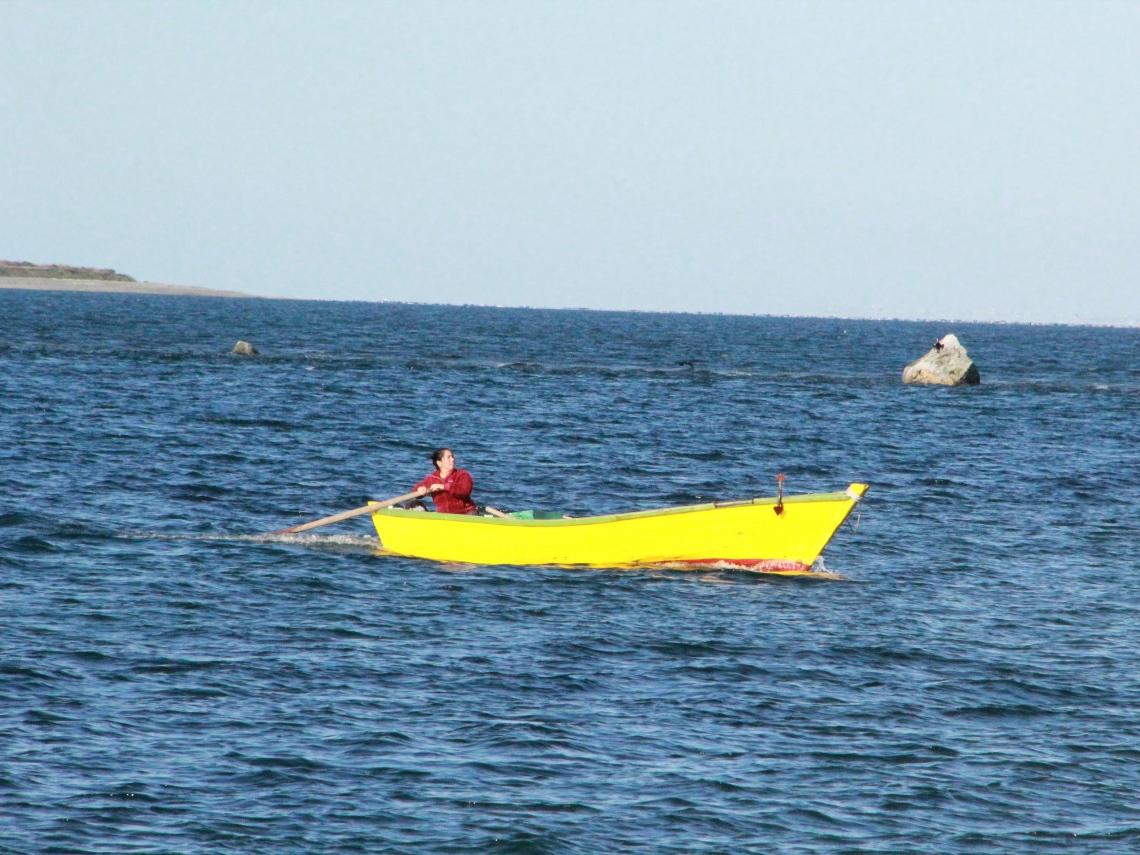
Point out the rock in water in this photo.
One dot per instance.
(945, 364)
(244, 348)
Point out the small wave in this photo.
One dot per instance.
(22, 672)
(525, 367)
(1002, 711)
(684, 370)
(359, 541)
(12, 518)
(35, 545)
(126, 790)
(168, 665)
(91, 657)
(44, 718)
(197, 492)
(237, 421)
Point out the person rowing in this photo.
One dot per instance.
(450, 487)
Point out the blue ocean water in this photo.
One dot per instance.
(171, 683)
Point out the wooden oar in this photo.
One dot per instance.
(344, 515)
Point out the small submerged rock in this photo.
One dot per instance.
(244, 348)
(945, 364)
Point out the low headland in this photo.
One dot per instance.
(60, 277)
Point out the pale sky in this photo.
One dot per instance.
(931, 160)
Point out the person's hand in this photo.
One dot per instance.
(421, 490)
(435, 488)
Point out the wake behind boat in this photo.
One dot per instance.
(782, 535)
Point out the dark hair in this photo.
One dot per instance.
(437, 455)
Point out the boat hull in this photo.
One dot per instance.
(749, 534)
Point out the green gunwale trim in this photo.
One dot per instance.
(431, 516)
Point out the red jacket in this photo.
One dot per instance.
(455, 497)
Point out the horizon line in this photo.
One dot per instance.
(159, 289)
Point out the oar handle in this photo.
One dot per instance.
(344, 515)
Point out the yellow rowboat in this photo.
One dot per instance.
(774, 535)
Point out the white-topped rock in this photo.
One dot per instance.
(244, 348)
(945, 364)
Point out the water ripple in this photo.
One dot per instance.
(175, 678)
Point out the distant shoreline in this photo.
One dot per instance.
(104, 286)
